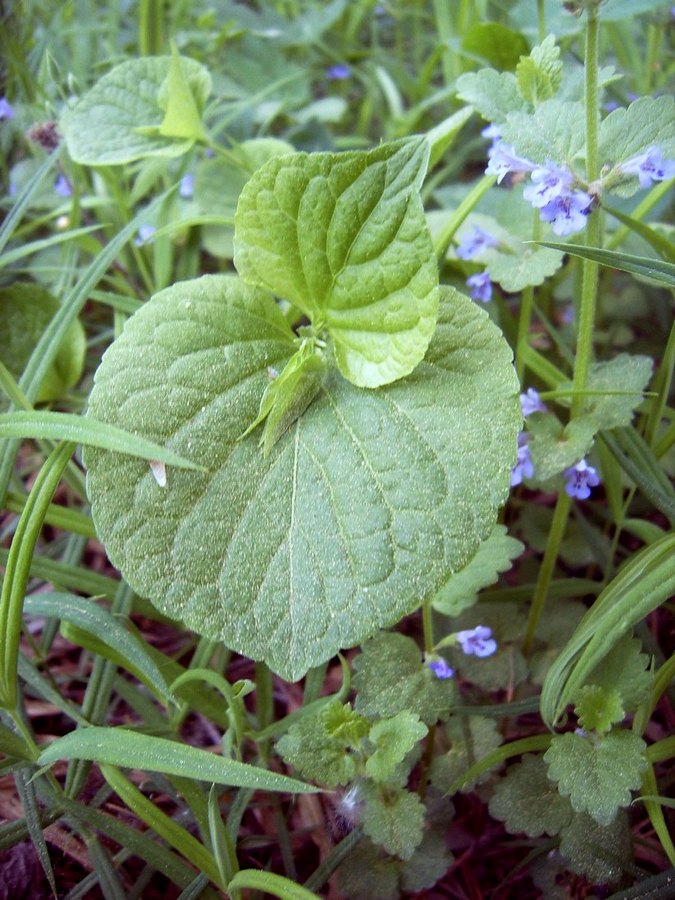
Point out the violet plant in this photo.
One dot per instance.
(304, 443)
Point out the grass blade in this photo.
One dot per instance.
(122, 747)
(85, 430)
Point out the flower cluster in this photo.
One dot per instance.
(553, 189)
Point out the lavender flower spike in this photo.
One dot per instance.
(649, 167)
(503, 159)
(579, 480)
(531, 402)
(477, 641)
(480, 286)
(523, 467)
(567, 212)
(474, 243)
(441, 669)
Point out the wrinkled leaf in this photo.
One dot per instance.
(271, 554)
(109, 124)
(526, 800)
(394, 820)
(597, 773)
(393, 739)
(344, 238)
(494, 555)
(390, 677)
(27, 309)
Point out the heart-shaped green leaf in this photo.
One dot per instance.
(122, 118)
(361, 509)
(344, 238)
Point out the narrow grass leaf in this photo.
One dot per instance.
(122, 747)
(223, 846)
(24, 199)
(656, 269)
(663, 246)
(124, 648)
(18, 568)
(85, 430)
(164, 826)
(29, 803)
(277, 885)
(138, 843)
(640, 587)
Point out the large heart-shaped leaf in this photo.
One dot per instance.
(361, 509)
(121, 117)
(344, 237)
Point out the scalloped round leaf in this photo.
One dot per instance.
(119, 119)
(344, 238)
(362, 507)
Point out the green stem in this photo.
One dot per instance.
(558, 524)
(526, 306)
(584, 343)
(467, 205)
(427, 627)
(541, 20)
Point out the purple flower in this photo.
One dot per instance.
(6, 109)
(145, 233)
(338, 72)
(480, 286)
(477, 641)
(523, 467)
(474, 243)
(441, 669)
(187, 186)
(579, 480)
(503, 159)
(649, 166)
(531, 402)
(548, 183)
(567, 212)
(62, 187)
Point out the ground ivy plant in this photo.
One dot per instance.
(348, 464)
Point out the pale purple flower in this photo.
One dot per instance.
(579, 480)
(531, 402)
(62, 187)
(474, 243)
(477, 641)
(567, 212)
(6, 109)
(145, 233)
(338, 72)
(548, 183)
(523, 467)
(480, 286)
(503, 160)
(441, 669)
(649, 166)
(187, 186)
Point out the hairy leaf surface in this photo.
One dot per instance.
(361, 509)
(344, 238)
